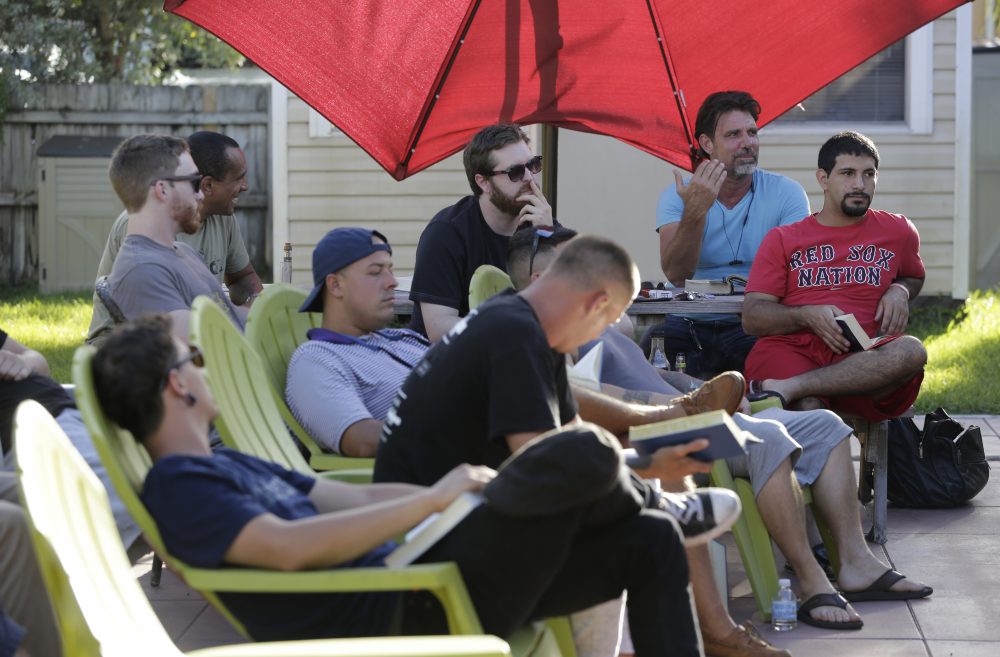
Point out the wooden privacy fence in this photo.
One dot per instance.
(38, 112)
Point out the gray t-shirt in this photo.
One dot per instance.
(218, 242)
(148, 277)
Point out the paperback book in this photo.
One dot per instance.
(434, 527)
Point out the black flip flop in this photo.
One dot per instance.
(880, 590)
(757, 393)
(827, 600)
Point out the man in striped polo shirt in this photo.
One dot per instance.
(342, 381)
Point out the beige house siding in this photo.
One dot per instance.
(331, 182)
(611, 189)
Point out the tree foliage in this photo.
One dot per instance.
(81, 41)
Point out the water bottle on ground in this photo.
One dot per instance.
(680, 362)
(657, 357)
(286, 264)
(784, 608)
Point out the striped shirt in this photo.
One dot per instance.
(331, 386)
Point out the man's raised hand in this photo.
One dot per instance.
(537, 211)
(703, 189)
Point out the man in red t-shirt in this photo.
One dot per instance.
(846, 258)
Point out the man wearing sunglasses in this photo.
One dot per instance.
(503, 175)
(537, 547)
(217, 240)
(160, 186)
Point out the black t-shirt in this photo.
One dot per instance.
(492, 375)
(453, 245)
(42, 389)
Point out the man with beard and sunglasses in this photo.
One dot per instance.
(502, 174)
(160, 187)
(711, 224)
(217, 240)
(847, 258)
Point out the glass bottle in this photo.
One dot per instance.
(680, 362)
(286, 264)
(657, 357)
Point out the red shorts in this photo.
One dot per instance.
(785, 356)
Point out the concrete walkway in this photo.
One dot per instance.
(956, 551)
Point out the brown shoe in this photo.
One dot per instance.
(744, 641)
(723, 393)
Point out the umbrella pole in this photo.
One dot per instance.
(550, 164)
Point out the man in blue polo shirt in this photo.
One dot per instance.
(711, 225)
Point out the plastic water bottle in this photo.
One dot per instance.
(784, 608)
(657, 357)
(680, 362)
(286, 264)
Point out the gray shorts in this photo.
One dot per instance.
(807, 437)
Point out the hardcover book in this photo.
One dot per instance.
(725, 438)
(731, 284)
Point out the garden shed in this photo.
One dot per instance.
(76, 207)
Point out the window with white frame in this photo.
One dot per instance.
(891, 89)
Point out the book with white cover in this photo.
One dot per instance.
(856, 335)
(586, 372)
(434, 527)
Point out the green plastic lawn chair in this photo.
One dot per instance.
(250, 418)
(100, 608)
(487, 281)
(752, 537)
(127, 463)
(275, 328)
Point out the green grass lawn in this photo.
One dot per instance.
(963, 342)
(52, 324)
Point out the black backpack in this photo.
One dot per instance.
(942, 466)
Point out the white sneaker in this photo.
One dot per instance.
(702, 514)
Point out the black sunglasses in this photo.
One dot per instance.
(539, 234)
(196, 358)
(516, 172)
(194, 178)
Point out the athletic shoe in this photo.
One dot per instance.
(702, 514)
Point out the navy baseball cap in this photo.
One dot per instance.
(339, 248)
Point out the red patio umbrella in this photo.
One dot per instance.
(410, 81)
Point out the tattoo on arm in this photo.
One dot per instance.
(638, 396)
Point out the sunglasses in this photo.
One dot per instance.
(196, 358)
(194, 178)
(516, 172)
(540, 233)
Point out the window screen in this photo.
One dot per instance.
(872, 92)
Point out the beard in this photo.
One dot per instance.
(187, 216)
(507, 204)
(855, 210)
(744, 168)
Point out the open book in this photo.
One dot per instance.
(434, 527)
(856, 335)
(725, 438)
(586, 373)
(731, 284)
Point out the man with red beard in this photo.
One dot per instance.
(502, 173)
(218, 240)
(159, 185)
